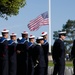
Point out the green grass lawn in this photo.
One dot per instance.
(68, 63)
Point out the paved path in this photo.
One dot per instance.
(68, 70)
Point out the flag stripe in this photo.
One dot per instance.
(41, 20)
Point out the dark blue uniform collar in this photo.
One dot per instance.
(45, 41)
(30, 44)
(2, 39)
(23, 40)
(10, 42)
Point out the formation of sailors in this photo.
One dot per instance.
(24, 57)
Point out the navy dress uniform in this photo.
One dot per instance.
(73, 56)
(58, 54)
(39, 61)
(12, 56)
(22, 57)
(46, 51)
(30, 55)
(4, 53)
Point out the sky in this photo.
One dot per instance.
(61, 11)
(18, 24)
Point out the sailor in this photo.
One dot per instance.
(12, 54)
(4, 52)
(39, 57)
(46, 50)
(30, 54)
(22, 55)
(58, 54)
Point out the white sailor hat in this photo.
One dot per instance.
(31, 36)
(12, 34)
(0, 35)
(24, 32)
(62, 32)
(43, 33)
(20, 38)
(5, 30)
(39, 38)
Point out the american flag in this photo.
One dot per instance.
(41, 20)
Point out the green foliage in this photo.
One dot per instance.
(55, 35)
(10, 7)
(68, 63)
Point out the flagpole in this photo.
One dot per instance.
(50, 26)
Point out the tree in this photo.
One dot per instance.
(55, 35)
(10, 7)
(69, 27)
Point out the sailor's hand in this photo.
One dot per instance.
(37, 61)
(35, 65)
